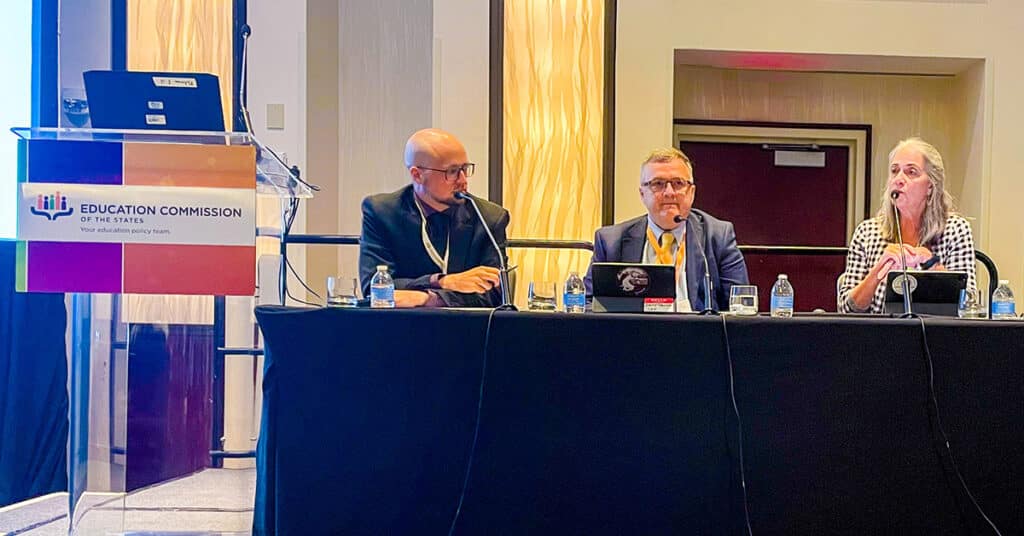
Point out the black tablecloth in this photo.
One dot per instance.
(611, 424)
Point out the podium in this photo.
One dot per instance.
(152, 236)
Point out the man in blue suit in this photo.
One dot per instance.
(667, 190)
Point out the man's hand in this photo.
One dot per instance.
(410, 298)
(479, 279)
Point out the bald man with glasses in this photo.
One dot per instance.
(667, 190)
(432, 242)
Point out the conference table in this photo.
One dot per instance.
(485, 422)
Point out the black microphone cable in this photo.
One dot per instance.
(476, 428)
(739, 425)
(942, 431)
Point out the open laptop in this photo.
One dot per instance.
(154, 100)
(633, 287)
(933, 293)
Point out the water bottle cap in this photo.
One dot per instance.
(783, 276)
(382, 267)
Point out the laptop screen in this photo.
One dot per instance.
(154, 100)
(931, 292)
(633, 287)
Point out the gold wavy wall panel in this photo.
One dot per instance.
(553, 131)
(183, 36)
(192, 36)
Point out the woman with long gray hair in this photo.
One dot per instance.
(934, 236)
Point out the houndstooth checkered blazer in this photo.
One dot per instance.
(955, 248)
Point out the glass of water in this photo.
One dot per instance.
(542, 296)
(743, 299)
(971, 304)
(342, 291)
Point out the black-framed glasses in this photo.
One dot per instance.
(452, 173)
(678, 185)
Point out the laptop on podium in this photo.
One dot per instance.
(140, 100)
(633, 288)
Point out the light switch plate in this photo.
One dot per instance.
(275, 117)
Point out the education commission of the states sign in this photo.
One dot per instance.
(136, 214)
(143, 218)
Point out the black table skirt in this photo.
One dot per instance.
(612, 424)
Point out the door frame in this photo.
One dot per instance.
(857, 138)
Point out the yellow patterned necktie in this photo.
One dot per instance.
(663, 252)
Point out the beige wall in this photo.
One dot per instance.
(377, 72)
(649, 31)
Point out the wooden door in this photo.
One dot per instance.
(778, 205)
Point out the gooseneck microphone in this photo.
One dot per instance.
(708, 308)
(243, 94)
(243, 105)
(907, 305)
(506, 300)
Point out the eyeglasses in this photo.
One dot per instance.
(452, 173)
(678, 185)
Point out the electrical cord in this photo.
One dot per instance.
(293, 298)
(293, 209)
(739, 425)
(476, 430)
(942, 431)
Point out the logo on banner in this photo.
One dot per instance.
(52, 206)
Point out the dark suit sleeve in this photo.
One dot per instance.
(489, 257)
(732, 269)
(600, 255)
(374, 251)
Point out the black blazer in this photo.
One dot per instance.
(392, 235)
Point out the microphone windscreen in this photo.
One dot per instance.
(678, 219)
(895, 194)
(461, 195)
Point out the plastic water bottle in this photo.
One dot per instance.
(782, 298)
(382, 289)
(575, 296)
(1003, 306)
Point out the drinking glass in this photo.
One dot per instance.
(75, 107)
(743, 299)
(971, 304)
(542, 296)
(342, 291)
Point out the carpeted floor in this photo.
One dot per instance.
(210, 502)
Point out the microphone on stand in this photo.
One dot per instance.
(506, 300)
(708, 309)
(907, 305)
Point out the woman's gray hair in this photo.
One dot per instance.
(939, 205)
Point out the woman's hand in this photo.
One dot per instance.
(892, 259)
(920, 254)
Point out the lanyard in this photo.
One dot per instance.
(660, 252)
(429, 246)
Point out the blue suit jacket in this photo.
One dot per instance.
(624, 242)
